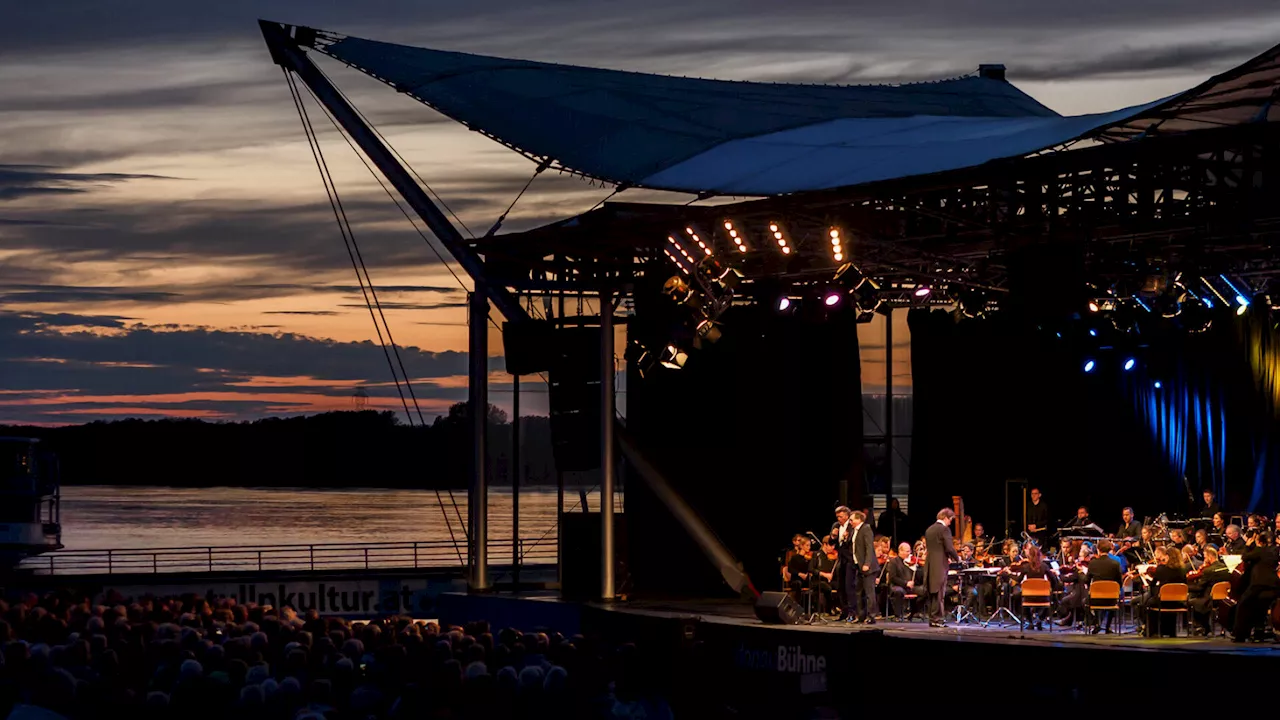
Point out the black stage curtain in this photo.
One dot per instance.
(996, 399)
(757, 433)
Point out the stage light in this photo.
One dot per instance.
(1130, 363)
(735, 236)
(1093, 306)
(1089, 365)
(1157, 384)
(1196, 315)
(708, 331)
(1093, 332)
(780, 238)
(698, 240)
(1243, 304)
(673, 357)
(837, 248)
(831, 299)
(677, 254)
(973, 303)
(784, 304)
(923, 291)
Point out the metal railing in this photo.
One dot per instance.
(327, 556)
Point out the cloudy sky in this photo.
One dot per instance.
(166, 247)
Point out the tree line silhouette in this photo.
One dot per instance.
(329, 450)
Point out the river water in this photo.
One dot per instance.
(96, 517)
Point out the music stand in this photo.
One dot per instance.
(962, 608)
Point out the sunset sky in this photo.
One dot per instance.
(166, 247)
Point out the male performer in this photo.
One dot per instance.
(842, 531)
(940, 554)
(901, 580)
(1104, 566)
(1235, 545)
(1210, 506)
(1129, 526)
(1038, 518)
(864, 570)
(1081, 519)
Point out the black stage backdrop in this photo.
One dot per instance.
(756, 432)
(999, 398)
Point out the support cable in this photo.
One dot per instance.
(357, 263)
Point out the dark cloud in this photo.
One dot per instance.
(79, 357)
(20, 181)
(319, 313)
(410, 306)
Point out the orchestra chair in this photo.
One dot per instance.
(1126, 601)
(1036, 593)
(1219, 593)
(1173, 599)
(908, 604)
(1104, 596)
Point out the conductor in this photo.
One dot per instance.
(940, 554)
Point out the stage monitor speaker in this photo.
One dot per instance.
(574, 399)
(775, 608)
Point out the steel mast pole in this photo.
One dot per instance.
(607, 455)
(478, 403)
(515, 481)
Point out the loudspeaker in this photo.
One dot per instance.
(776, 608)
(580, 555)
(530, 346)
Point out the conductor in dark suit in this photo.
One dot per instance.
(864, 568)
(941, 553)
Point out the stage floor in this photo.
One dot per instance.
(728, 612)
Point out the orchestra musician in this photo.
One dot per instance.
(795, 574)
(1077, 575)
(822, 572)
(1103, 566)
(1081, 519)
(901, 576)
(1234, 544)
(1218, 533)
(1038, 518)
(1260, 563)
(1033, 565)
(940, 551)
(1209, 507)
(1167, 569)
(1200, 584)
(1129, 526)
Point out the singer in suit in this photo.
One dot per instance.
(864, 568)
(941, 552)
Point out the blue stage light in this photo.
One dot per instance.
(1093, 332)
(1157, 384)
(1128, 364)
(1089, 365)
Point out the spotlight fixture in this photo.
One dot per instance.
(673, 357)
(678, 290)
(678, 254)
(923, 291)
(1242, 305)
(707, 330)
(781, 239)
(837, 248)
(637, 354)
(1196, 314)
(1157, 384)
(735, 236)
(783, 304)
(831, 298)
(1130, 363)
(1093, 306)
(726, 277)
(697, 239)
(1089, 365)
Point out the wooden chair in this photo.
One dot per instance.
(1173, 599)
(1036, 593)
(1219, 593)
(1104, 596)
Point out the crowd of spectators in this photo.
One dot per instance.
(188, 658)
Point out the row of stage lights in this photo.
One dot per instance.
(1191, 302)
(705, 287)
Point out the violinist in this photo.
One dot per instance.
(901, 579)
(1260, 563)
(796, 572)
(1202, 541)
(1077, 574)
(1145, 551)
(822, 571)
(1200, 584)
(1033, 565)
(1167, 569)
